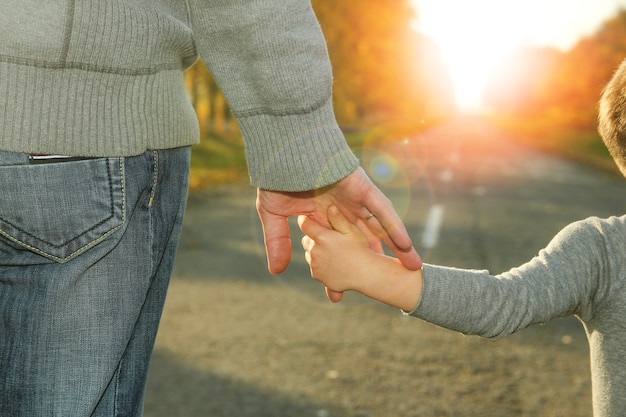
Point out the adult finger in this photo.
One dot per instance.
(277, 240)
(386, 215)
(408, 257)
(387, 225)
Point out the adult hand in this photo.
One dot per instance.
(356, 196)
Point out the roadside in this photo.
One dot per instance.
(236, 341)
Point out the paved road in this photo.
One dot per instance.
(236, 341)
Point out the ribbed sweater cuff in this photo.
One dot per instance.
(296, 152)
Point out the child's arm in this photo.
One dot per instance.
(574, 274)
(342, 260)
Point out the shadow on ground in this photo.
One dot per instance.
(185, 391)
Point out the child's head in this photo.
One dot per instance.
(612, 117)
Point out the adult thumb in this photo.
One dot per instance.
(337, 220)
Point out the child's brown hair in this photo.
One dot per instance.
(612, 117)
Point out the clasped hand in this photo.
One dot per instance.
(356, 197)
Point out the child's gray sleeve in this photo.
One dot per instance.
(569, 277)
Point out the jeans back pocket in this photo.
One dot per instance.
(60, 210)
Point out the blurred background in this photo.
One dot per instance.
(535, 68)
(477, 118)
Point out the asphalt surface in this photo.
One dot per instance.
(237, 341)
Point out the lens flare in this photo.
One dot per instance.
(384, 168)
(396, 154)
(395, 157)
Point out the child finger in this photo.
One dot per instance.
(310, 227)
(307, 243)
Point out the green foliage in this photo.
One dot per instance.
(219, 152)
(217, 159)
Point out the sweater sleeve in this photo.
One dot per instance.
(571, 276)
(270, 60)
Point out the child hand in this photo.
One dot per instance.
(342, 259)
(336, 257)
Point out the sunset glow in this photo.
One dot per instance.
(474, 37)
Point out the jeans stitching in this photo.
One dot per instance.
(155, 167)
(88, 244)
(112, 214)
(117, 386)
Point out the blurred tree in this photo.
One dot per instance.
(383, 70)
(586, 68)
(209, 102)
(561, 86)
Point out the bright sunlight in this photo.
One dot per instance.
(475, 36)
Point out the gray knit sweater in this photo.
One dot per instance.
(582, 272)
(105, 78)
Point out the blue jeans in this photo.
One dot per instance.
(86, 253)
